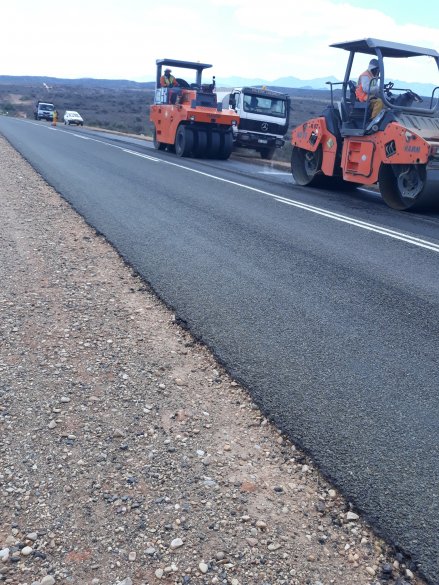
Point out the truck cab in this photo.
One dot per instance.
(264, 118)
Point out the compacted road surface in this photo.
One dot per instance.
(329, 320)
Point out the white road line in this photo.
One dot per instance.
(78, 135)
(140, 154)
(366, 226)
(274, 173)
(407, 238)
(370, 191)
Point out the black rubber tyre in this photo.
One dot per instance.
(226, 146)
(184, 141)
(213, 144)
(306, 166)
(404, 187)
(200, 143)
(157, 145)
(267, 153)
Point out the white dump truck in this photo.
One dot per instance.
(264, 117)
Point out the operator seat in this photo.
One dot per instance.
(356, 107)
(333, 120)
(354, 114)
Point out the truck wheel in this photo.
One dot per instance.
(306, 165)
(226, 146)
(157, 145)
(267, 153)
(405, 187)
(200, 143)
(184, 141)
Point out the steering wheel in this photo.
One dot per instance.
(182, 83)
(415, 96)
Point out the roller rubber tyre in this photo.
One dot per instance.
(200, 144)
(213, 144)
(405, 187)
(184, 141)
(226, 146)
(306, 166)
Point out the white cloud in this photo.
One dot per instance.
(249, 38)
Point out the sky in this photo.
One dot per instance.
(121, 39)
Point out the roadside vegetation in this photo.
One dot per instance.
(125, 109)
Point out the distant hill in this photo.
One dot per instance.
(319, 83)
(424, 89)
(291, 82)
(81, 82)
(285, 82)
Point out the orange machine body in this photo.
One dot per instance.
(187, 118)
(362, 156)
(396, 148)
(168, 117)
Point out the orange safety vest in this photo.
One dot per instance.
(167, 81)
(359, 92)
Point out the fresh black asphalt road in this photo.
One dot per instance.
(324, 305)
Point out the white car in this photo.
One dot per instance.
(71, 117)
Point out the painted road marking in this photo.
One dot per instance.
(407, 238)
(364, 225)
(403, 237)
(140, 154)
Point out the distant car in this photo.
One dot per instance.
(71, 117)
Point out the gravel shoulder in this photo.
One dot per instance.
(128, 455)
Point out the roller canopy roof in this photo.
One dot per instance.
(387, 48)
(183, 64)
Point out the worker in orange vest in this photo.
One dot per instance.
(367, 88)
(168, 80)
(54, 118)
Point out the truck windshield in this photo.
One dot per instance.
(48, 107)
(264, 105)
